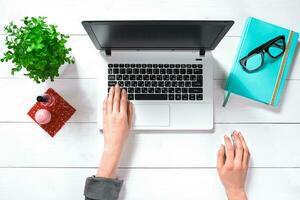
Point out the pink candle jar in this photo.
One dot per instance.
(42, 116)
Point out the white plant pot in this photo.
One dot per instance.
(62, 68)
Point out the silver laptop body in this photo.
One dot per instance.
(164, 65)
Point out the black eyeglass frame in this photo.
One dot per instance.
(264, 48)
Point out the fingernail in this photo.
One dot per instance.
(123, 91)
(221, 147)
(117, 85)
(226, 136)
(240, 134)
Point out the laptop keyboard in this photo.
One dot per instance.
(173, 82)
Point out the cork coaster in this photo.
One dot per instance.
(61, 111)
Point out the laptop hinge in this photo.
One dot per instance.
(202, 52)
(108, 52)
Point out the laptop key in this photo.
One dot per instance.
(164, 90)
(110, 71)
(147, 83)
(133, 83)
(137, 90)
(151, 97)
(192, 96)
(178, 97)
(127, 83)
(139, 77)
(192, 77)
(121, 83)
(125, 77)
(119, 77)
(157, 90)
(161, 84)
(195, 90)
(171, 96)
(132, 77)
(199, 97)
(130, 97)
(185, 97)
(177, 90)
(197, 84)
(171, 90)
(122, 71)
(111, 77)
(144, 90)
(198, 71)
(142, 71)
(152, 77)
(172, 77)
(154, 84)
(151, 90)
(174, 83)
(188, 84)
(184, 90)
(141, 83)
(168, 84)
(130, 90)
(112, 83)
(116, 71)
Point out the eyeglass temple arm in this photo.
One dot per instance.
(259, 48)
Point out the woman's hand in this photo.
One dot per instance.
(232, 166)
(117, 119)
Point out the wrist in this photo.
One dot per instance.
(109, 164)
(236, 194)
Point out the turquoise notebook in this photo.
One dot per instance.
(266, 84)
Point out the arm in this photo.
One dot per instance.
(232, 166)
(117, 117)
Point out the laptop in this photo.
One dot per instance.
(165, 68)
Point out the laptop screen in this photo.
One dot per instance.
(156, 34)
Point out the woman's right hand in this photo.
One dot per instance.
(232, 165)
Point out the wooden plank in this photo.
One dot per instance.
(66, 13)
(242, 110)
(18, 95)
(90, 64)
(80, 145)
(147, 184)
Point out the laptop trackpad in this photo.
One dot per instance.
(151, 115)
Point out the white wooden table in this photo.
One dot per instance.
(155, 166)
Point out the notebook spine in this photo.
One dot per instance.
(282, 67)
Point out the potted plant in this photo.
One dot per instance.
(37, 47)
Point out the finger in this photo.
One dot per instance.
(117, 96)
(124, 104)
(221, 157)
(246, 154)
(110, 100)
(104, 107)
(229, 150)
(130, 114)
(239, 149)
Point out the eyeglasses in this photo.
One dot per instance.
(255, 59)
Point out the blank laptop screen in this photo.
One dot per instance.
(157, 35)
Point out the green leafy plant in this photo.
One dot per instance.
(37, 47)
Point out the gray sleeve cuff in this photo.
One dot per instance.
(98, 188)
